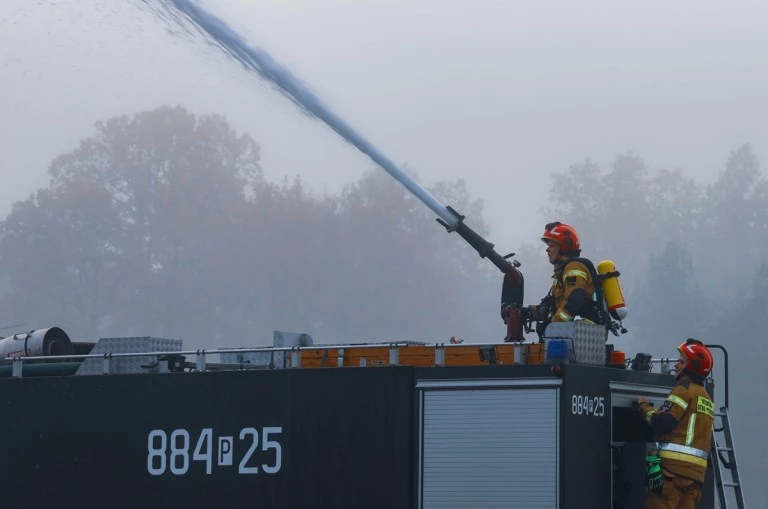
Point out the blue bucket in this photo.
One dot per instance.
(558, 350)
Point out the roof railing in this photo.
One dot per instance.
(202, 354)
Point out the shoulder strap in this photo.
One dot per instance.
(590, 266)
(597, 279)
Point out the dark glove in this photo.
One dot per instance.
(641, 402)
(539, 313)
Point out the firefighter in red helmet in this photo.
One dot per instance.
(683, 430)
(573, 292)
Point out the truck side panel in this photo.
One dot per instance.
(285, 438)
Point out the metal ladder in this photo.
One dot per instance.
(723, 456)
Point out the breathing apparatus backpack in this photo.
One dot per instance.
(609, 298)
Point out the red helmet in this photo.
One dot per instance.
(698, 358)
(565, 236)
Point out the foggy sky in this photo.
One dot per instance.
(501, 93)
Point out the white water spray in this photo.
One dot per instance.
(260, 62)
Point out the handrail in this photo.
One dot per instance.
(725, 371)
(215, 351)
(201, 353)
(664, 363)
(347, 346)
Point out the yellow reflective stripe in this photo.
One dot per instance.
(678, 400)
(650, 415)
(691, 428)
(680, 456)
(705, 406)
(575, 272)
(565, 316)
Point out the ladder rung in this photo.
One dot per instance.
(728, 449)
(720, 414)
(730, 484)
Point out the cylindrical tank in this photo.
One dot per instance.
(40, 342)
(614, 297)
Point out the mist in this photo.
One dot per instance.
(192, 201)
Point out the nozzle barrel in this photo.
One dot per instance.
(482, 246)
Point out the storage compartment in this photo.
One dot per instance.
(629, 475)
(490, 448)
(628, 426)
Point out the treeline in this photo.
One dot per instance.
(163, 224)
(692, 253)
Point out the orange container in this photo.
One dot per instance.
(535, 353)
(417, 355)
(618, 357)
(421, 355)
(373, 356)
(469, 355)
(320, 358)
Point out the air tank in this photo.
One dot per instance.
(40, 342)
(614, 297)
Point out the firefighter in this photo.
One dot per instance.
(683, 429)
(573, 292)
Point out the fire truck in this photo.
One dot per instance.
(130, 422)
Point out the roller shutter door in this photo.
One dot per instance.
(489, 448)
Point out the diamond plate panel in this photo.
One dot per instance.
(587, 340)
(127, 365)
